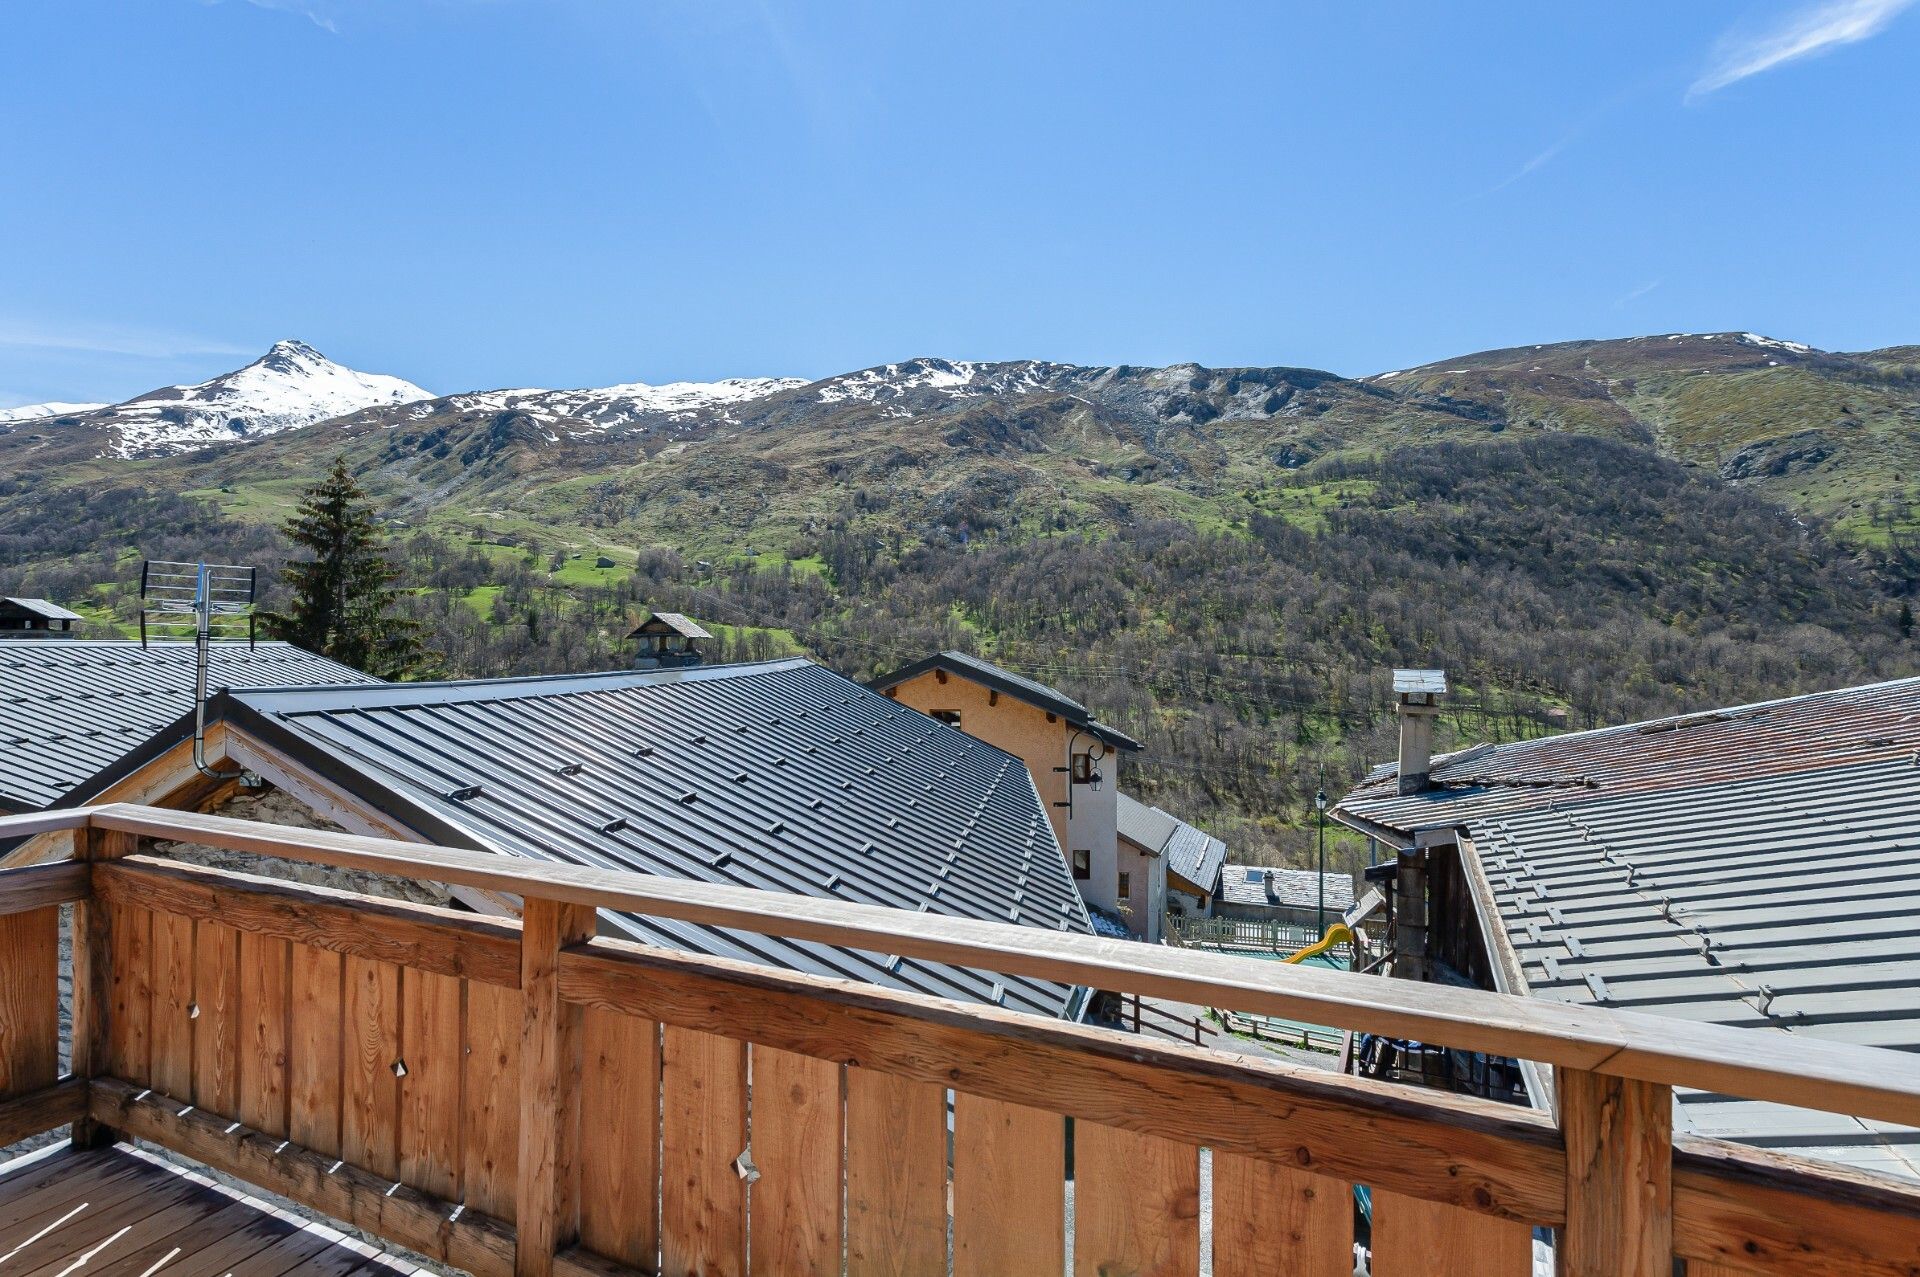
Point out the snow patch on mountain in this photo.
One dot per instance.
(292, 385)
(607, 407)
(37, 411)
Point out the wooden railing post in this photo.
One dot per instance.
(547, 1200)
(1619, 1139)
(93, 976)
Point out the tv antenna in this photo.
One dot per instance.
(203, 602)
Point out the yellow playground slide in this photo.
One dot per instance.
(1338, 933)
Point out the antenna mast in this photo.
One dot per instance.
(206, 601)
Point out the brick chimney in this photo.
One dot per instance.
(1418, 693)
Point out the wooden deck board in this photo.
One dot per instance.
(125, 1212)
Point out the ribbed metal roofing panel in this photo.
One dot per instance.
(1769, 739)
(780, 775)
(70, 708)
(1195, 856)
(1148, 826)
(1789, 903)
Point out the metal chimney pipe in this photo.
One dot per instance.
(1418, 694)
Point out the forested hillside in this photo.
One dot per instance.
(1225, 563)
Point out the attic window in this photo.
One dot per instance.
(951, 717)
(1082, 864)
(1083, 769)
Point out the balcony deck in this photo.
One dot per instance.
(527, 1097)
(115, 1210)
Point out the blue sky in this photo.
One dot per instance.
(475, 193)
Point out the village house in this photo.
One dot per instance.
(1190, 857)
(34, 618)
(1074, 760)
(1756, 866)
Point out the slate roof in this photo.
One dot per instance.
(1756, 866)
(780, 775)
(70, 708)
(1289, 888)
(1007, 683)
(43, 609)
(1192, 853)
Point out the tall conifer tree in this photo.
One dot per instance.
(343, 593)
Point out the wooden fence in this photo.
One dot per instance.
(532, 1099)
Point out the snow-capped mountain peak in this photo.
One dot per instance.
(38, 411)
(291, 385)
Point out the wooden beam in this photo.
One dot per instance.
(1619, 1138)
(1751, 1211)
(472, 1241)
(1831, 1076)
(93, 975)
(547, 1202)
(438, 941)
(41, 1111)
(1484, 1157)
(31, 887)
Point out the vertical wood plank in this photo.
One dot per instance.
(265, 1006)
(492, 1099)
(703, 1202)
(1136, 1204)
(430, 1107)
(370, 1093)
(29, 1001)
(216, 1031)
(130, 1014)
(620, 1137)
(1417, 1238)
(795, 1204)
(1619, 1138)
(172, 1021)
(896, 1176)
(93, 996)
(1009, 1189)
(314, 1090)
(547, 1206)
(1269, 1218)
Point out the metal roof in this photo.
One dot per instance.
(780, 775)
(1191, 853)
(1413, 682)
(1291, 888)
(72, 708)
(1773, 738)
(1021, 688)
(1789, 903)
(43, 609)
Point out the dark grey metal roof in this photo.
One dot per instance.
(1142, 825)
(1785, 903)
(1038, 695)
(1191, 853)
(1293, 888)
(72, 708)
(1773, 738)
(43, 608)
(780, 775)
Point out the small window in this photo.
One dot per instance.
(1083, 864)
(951, 717)
(1126, 886)
(1082, 768)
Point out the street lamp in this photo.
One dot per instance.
(1320, 806)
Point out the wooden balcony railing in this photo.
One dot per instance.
(531, 1099)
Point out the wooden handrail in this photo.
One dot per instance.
(1829, 1076)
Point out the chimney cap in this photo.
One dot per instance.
(1420, 682)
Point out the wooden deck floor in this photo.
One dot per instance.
(118, 1212)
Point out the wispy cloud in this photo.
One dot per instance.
(1810, 30)
(110, 340)
(1539, 161)
(1638, 293)
(317, 12)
